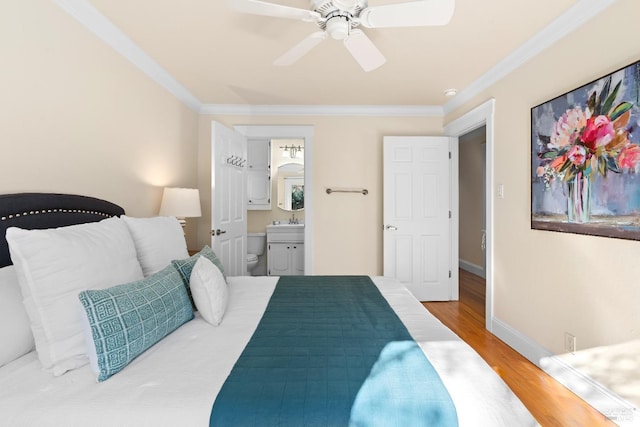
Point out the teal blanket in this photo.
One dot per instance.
(330, 351)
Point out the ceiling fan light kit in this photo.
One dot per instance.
(338, 27)
(340, 19)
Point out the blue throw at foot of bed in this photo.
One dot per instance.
(330, 351)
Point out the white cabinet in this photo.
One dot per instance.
(258, 174)
(285, 250)
(286, 259)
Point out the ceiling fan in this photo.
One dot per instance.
(340, 20)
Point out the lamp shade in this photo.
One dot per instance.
(180, 202)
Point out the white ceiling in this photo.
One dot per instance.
(224, 57)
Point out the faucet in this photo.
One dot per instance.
(293, 219)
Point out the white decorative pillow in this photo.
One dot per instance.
(209, 291)
(53, 266)
(158, 241)
(15, 333)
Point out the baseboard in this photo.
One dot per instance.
(602, 399)
(472, 268)
(519, 342)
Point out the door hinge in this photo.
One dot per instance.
(449, 274)
(449, 155)
(449, 214)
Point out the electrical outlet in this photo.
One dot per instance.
(569, 342)
(500, 191)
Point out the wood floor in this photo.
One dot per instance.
(548, 401)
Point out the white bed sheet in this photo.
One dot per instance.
(176, 381)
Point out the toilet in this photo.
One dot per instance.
(256, 243)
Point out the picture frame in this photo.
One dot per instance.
(585, 158)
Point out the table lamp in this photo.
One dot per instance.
(181, 203)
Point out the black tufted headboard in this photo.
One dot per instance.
(49, 210)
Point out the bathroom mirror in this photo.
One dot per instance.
(290, 181)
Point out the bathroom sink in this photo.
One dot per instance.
(285, 232)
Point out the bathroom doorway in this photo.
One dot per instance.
(284, 135)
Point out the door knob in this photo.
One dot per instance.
(217, 232)
(390, 227)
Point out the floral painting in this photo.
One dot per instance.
(585, 161)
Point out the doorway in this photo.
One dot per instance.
(480, 116)
(472, 218)
(293, 132)
(472, 201)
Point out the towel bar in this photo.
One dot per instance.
(362, 191)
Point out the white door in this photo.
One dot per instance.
(228, 199)
(416, 215)
(279, 259)
(297, 259)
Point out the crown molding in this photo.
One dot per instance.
(90, 17)
(322, 110)
(572, 19)
(97, 23)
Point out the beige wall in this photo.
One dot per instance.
(547, 283)
(347, 152)
(471, 195)
(76, 117)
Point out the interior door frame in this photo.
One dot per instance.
(483, 115)
(287, 132)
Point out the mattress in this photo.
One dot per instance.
(176, 381)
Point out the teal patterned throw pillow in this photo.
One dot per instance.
(126, 320)
(185, 266)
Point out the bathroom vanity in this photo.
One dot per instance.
(285, 249)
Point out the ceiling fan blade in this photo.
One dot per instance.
(301, 49)
(257, 7)
(364, 51)
(412, 14)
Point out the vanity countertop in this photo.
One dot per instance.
(284, 225)
(285, 233)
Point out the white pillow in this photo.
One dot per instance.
(53, 266)
(158, 241)
(209, 291)
(15, 333)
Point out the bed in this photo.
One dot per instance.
(177, 380)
